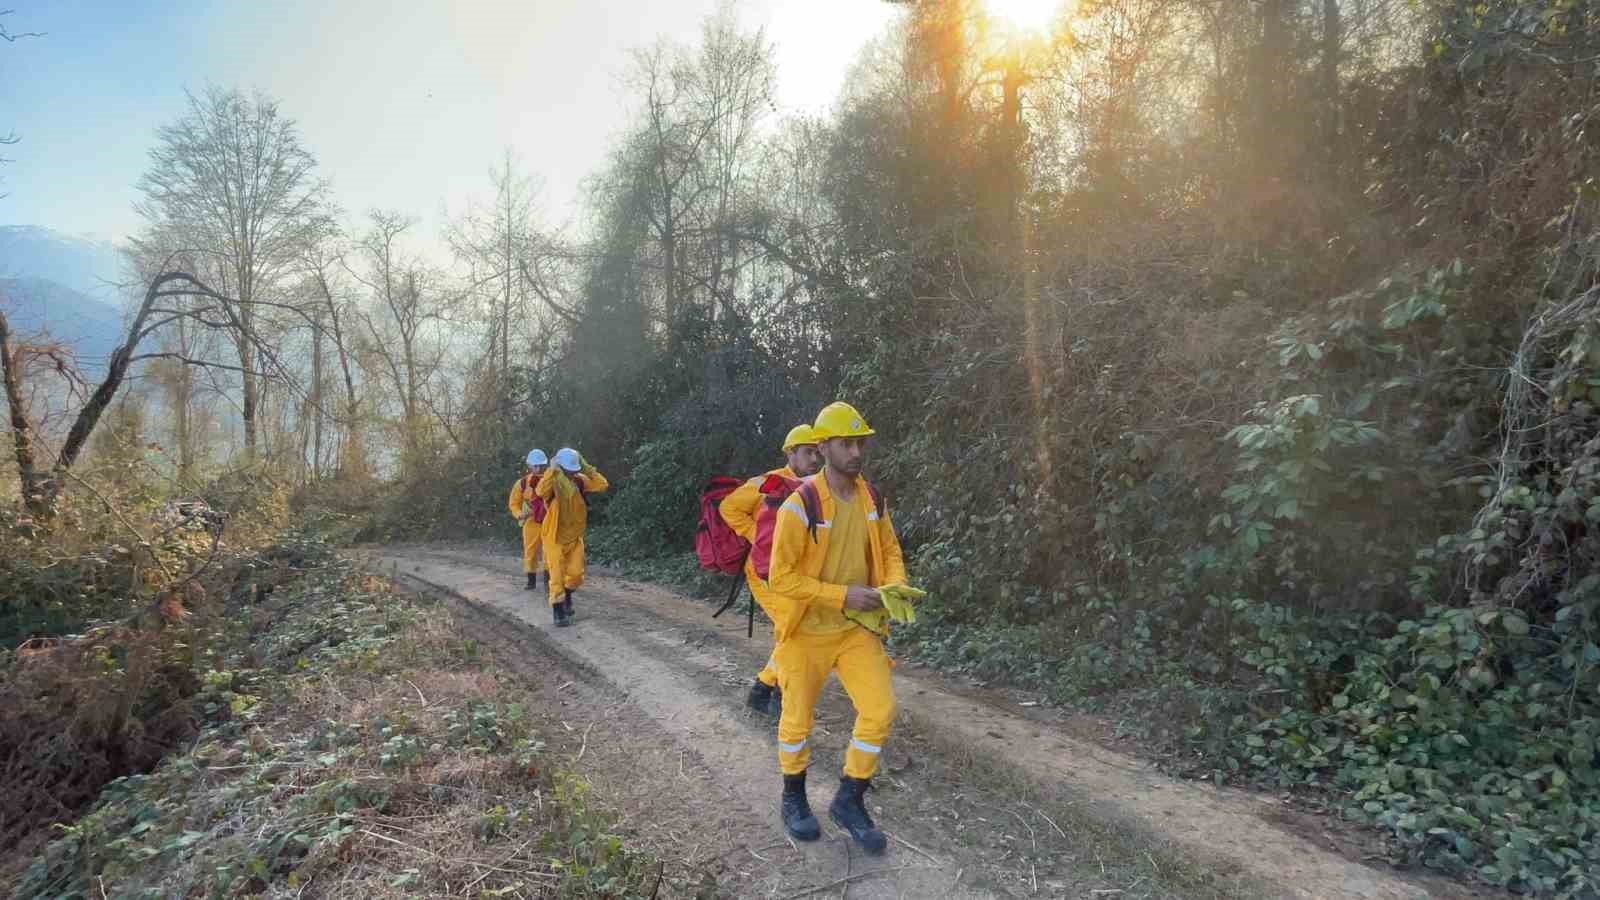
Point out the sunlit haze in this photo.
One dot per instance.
(406, 107)
(1026, 14)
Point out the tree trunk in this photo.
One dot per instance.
(505, 312)
(183, 427)
(1266, 113)
(178, 380)
(669, 253)
(21, 431)
(246, 324)
(315, 404)
(1333, 108)
(248, 410)
(350, 453)
(413, 386)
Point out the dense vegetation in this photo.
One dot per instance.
(1235, 360)
(1238, 361)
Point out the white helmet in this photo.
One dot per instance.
(567, 458)
(537, 458)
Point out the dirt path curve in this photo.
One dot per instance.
(959, 776)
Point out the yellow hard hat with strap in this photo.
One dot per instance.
(799, 436)
(840, 420)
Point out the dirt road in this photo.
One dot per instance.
(979, 802)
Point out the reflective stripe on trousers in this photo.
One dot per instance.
(804, 663)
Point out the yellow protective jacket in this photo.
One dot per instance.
(521, 502)
(797, 560)
(739, 508)
(566, 518)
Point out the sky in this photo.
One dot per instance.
(405, 105)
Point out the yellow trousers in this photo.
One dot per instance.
(763, 596)
(565, 562)
(532, 544)
(804, 663)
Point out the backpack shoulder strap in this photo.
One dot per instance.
(812, 501)
(877, 498)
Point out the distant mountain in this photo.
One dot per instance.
(62, 285)
(92, 327)
(91, 268)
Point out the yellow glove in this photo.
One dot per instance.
(904, 590)
(897, 601)
(873, 621)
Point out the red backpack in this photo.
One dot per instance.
(719, 548)
(534, 503)
(774, 491)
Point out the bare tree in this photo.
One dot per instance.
(322, 262)
(667, 147)
(166, 300)
(686, 164)
(401, 326)
(178, 384)
(232, 180)
(11, 37)
(734, 82)
(492, 239)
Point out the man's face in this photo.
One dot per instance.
(537, 470)
(805, 460)
(845, 455)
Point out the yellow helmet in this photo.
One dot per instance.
(840, 420)
(799, 436)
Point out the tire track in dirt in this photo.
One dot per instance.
(686, 674)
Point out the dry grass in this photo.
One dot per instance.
(370, 752)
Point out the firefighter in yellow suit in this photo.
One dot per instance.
(528, 510)
(739, 510)
(564, 489)
(825, 564)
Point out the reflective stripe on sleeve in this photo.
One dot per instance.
(798, 510)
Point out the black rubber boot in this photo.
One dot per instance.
(533, 581)
(567, 602)
(760, 699)
(849, 811)
(797, 817)
(557, 615)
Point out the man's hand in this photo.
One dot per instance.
(862, 598)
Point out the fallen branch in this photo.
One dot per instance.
(913, 847)
(391, 840)
(419, 697)
(585, 743)
(488, 869)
